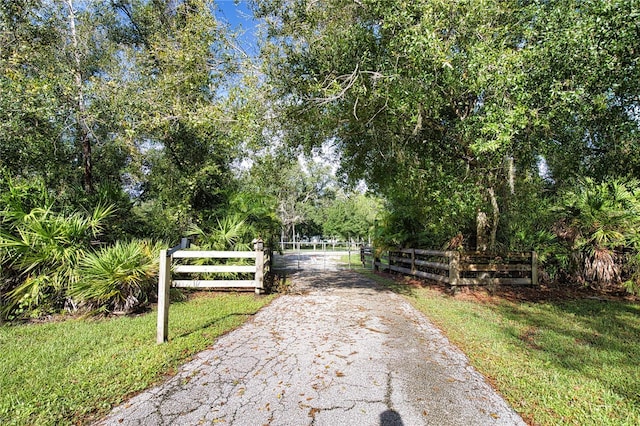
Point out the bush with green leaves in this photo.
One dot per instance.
(599, 223)
(259, 211)
(40, 249)
(229, 233)
(118, 278)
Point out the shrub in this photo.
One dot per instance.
(119, 278)
(230, 233)
(599, 224)
(40, 250)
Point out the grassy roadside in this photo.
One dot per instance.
(355, 260)
(73, 371)
(569, 362)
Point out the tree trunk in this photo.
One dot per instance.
(511, 175)
(86, 163)
(83, 131)
(293, 232)
(496, 218)
(482, 224)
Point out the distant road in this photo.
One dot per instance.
(312, 260)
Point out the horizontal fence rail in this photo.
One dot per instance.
(456, 268)
(214, 254)
(259, 261)
(289, 246)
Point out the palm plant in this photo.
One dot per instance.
(19, 198)
(40, 251)
(230, 233)
(260, 213)
(600, 222)
(117, 278)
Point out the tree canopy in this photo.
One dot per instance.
(454, 109)
(491, 125)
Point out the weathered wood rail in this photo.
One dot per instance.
(260, 264)
(457, 268)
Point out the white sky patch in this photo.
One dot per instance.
(543, 169)
(325, 156)
(242, 164)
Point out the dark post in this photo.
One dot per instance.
(185, 243)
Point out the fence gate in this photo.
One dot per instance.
(320, 256)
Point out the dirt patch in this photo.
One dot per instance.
(493, 294)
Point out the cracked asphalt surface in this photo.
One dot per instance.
(340, 350)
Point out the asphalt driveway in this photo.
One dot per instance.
(341, 350)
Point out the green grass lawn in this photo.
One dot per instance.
(74, 371)
(355, 260)
(557, 363)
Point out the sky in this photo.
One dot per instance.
(240, 17)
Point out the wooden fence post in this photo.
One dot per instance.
(454, 268)
(413, 261)
(534, 268)
(259, 248)
(164, 283)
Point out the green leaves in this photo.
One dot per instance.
(139, 95)
(40, 248)
(401, 88)
(599, 222)
(228, 233)
(430, 99)
(117, 278)
(604, 215)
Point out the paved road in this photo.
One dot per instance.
(341, 351)
(311, 260)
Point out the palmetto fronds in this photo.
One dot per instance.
(227, 235)
(42, 249)
(117, 278)
(599, 221)
(230, 233)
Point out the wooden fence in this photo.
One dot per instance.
(167, 266)
(457, 268)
